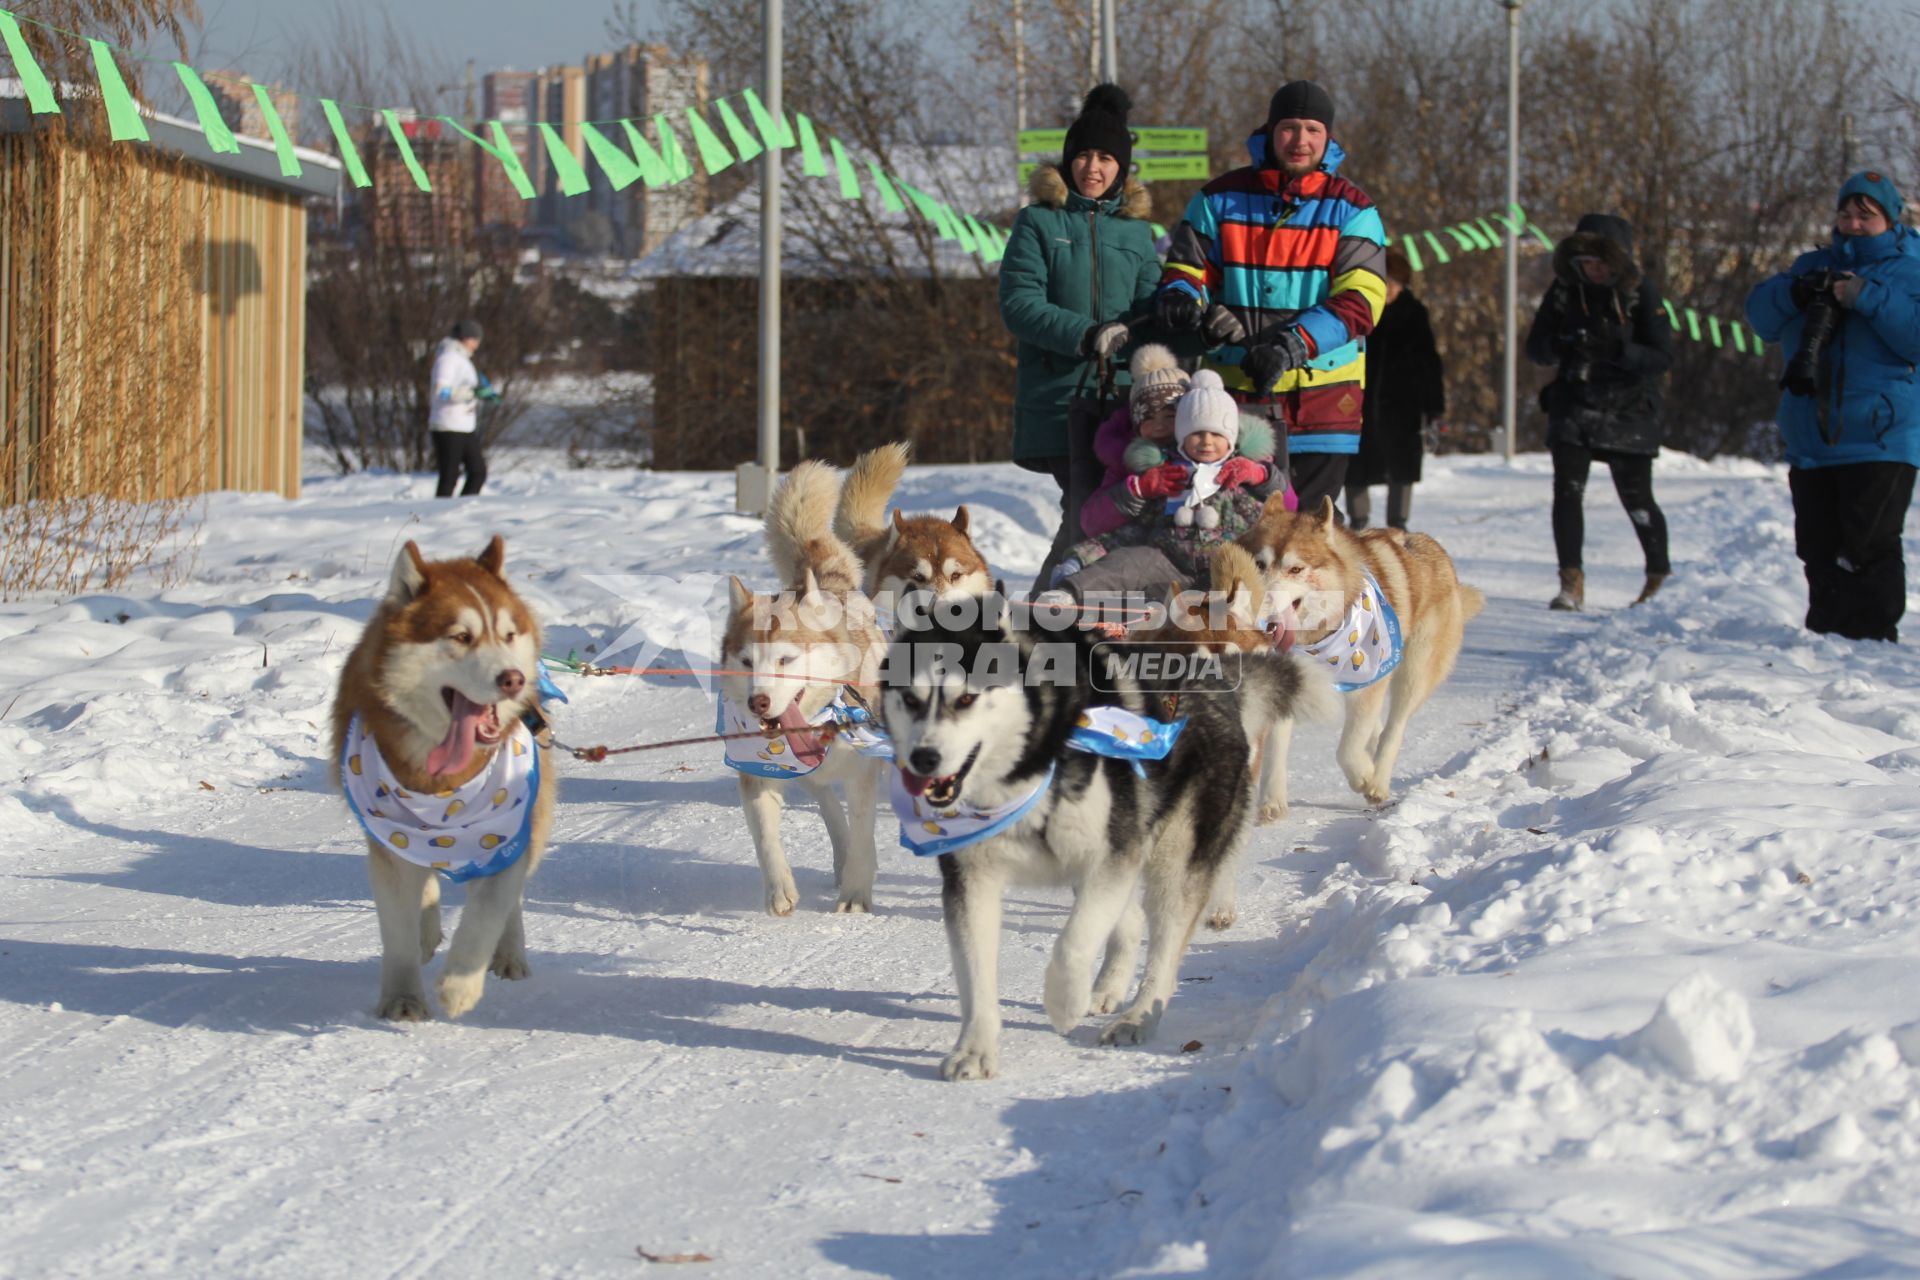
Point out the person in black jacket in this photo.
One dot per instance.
(1603, 326)
(1404, 390)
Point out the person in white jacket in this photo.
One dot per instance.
(453, 420)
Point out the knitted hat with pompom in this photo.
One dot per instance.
(1102, 126)
(1157, 379)
(1207, 407)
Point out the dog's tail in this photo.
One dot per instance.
(800, 532)
(1316, 700)
(1234, 573)
(862, 518)
(1472, 601)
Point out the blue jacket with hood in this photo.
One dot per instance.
(1868, 409)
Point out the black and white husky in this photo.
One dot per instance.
(980, 714)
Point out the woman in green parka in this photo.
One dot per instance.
(1065, 314)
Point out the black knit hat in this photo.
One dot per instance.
(1102, 126)
(1300, 100)
(465, 329)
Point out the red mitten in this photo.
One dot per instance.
(1237, 471)
(1168, 480)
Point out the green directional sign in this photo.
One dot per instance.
(1026, 170)
(1147, 138)
(1031, 140)
(1151, 139)
(1170, 168)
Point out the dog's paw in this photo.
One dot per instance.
(460, 992)
(1270, 812)
(1222, 917)
(1108, 998)
(853, 905)
(1066, 998)
(513, 968)
(1128, 1028)
(1377, 791)
(971, 1060)
(408, 1006)
(782, 899)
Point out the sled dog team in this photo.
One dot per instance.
(1014, 744)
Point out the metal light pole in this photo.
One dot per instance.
(1109, 55)
(753, 482)
(1509, 363)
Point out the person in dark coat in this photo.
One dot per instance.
(1853, 437)
(1604, 329)
(1405, 390)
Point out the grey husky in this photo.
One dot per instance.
(979, 712)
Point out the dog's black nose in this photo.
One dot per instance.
(510, 683)
(924, 760)
(760, 704)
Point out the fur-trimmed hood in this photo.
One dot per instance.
(1608, 238)
(1049, 187)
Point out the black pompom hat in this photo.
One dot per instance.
(1102, 126)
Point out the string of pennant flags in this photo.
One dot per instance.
(664, 161)
(1478, 233)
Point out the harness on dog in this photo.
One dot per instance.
(928, 830)
(1366, 645)
(774, 757)
(467, 832)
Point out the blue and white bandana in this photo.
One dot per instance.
(774, 757)
(1366, 645)
(477, 829)
(928, 830)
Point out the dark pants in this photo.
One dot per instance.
(1360, 505)
(453, 450)
(1847, 522)
(1632, 480)
(1068, 531)
(1318, 475)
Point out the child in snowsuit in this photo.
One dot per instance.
(1206, 491)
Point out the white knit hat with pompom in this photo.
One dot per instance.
(1157, 378)
(1207, 407)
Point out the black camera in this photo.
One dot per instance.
(1822, 311)
(1576, 365)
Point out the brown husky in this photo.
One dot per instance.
(793, 661)
(908, 553)
(442, 773)
(1324, 587)
(1275, 688)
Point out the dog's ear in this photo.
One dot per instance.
(409, 574)
(494, 558)
(899, 520)
(809, 589)
(1325, 514)
(738, 594)
(960, 518)
(1243, 607)
(1274, 506)
(994, 611)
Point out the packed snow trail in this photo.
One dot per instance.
(1603, 813)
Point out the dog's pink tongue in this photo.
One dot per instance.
(913, 782)
(807, 747)
(455, 751)
(1282, 628)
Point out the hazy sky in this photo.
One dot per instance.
(496, 33)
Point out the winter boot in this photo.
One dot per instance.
(1654, 582)
(1573, 591)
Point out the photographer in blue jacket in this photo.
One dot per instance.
(1848, 317)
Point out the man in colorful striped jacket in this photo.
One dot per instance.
(1281, 266)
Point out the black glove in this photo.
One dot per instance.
(1264, 364)
(1175, 310)
(1221, 328)
(1809, 286)
(1602, 344)
(1103, 339)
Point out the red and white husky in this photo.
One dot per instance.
(445, 778)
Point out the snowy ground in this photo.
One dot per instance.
(1623, 985)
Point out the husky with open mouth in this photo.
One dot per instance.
(432, 754)
(984, 719)
(800, 665)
